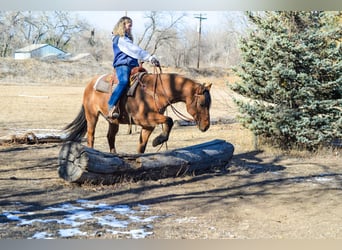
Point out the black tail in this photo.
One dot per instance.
(76, 130)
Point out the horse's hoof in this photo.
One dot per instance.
(159, 140)
(155, 143)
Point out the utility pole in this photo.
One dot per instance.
(200, 17)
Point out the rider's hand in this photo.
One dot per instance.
(154, 61)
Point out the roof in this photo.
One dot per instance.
(33, 47)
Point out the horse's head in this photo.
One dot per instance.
(200, 105)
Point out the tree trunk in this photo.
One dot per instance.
(80, 164)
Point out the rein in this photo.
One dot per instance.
(179, 114)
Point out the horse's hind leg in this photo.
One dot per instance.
(112, 131)
(91, 125)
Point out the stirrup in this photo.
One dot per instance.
(113, 114)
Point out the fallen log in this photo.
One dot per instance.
(33, 137)
(80, 164)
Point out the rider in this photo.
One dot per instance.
(126, 56)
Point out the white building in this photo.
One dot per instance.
(38, 51)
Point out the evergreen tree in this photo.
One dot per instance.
(291, 76)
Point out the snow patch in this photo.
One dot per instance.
(85, 213)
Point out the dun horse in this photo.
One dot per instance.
(155, 92)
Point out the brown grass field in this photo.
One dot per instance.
(263, 193)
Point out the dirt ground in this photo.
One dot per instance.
(261, 194)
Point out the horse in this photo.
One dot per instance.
(145, 107)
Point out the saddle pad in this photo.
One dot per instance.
(104, 83)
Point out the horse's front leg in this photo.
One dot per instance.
(113, 129)
(167, 123)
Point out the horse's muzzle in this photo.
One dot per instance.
(204, 128)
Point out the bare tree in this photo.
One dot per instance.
(236, 23)
(176, 41)
(20, 28)
(95, 42)
(62, 27)
(9, 21)
(220, 46)
(160, 28)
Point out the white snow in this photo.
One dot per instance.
(111, 219)
(41, 235)
(323, 179)
(70, 232)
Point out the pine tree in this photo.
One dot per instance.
(291, 76)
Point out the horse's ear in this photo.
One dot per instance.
(207, 86)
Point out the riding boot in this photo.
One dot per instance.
(113, 113)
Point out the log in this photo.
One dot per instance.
(31, 137)
(81, 164)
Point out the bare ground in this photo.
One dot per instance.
(263, 193)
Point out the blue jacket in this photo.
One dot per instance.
(127, 53)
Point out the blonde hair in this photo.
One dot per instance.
(119, 28)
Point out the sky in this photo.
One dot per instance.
(106, 20)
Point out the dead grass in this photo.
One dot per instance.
(58, 73)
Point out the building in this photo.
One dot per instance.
(39, 51)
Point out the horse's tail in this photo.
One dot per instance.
(76, 130)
